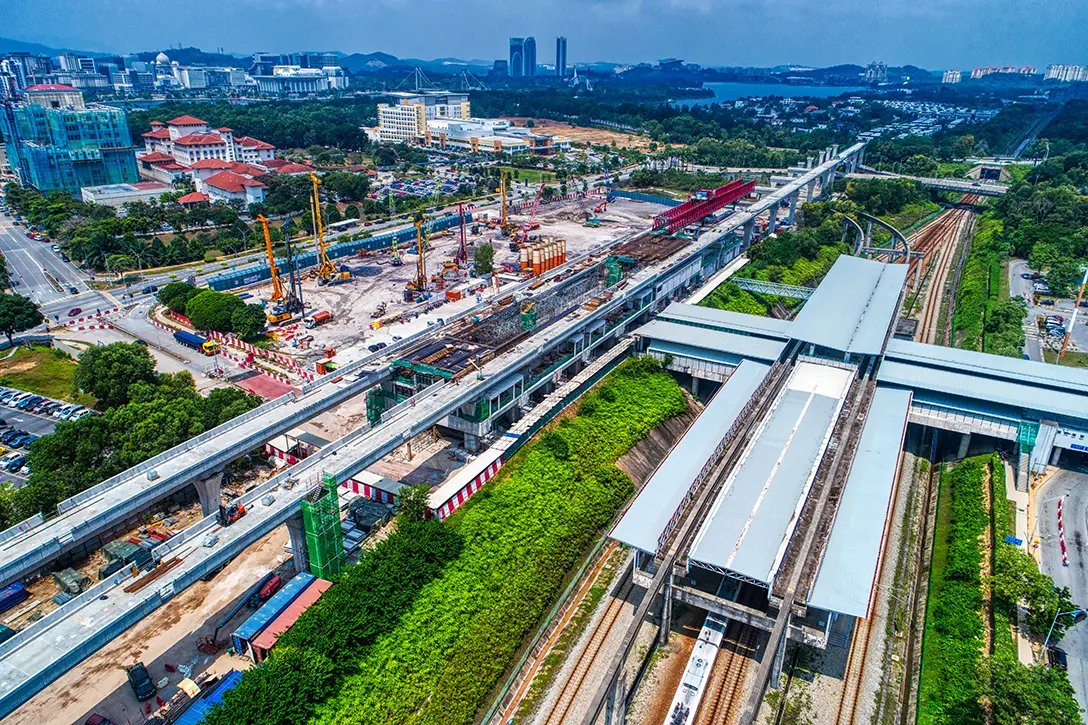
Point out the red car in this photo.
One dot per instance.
(74, 311)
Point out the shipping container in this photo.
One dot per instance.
(6, 633)
(197, 711)
(264, 642)
(13, 594)
(189, 339)
(252, 627)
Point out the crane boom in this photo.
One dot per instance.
(326, 269)
(277, 286)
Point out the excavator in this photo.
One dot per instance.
(284, 304)
(326, 270)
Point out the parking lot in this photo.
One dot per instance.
(27, 417)
(1036, 340)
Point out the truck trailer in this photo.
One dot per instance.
(190, 339)
(318, 318)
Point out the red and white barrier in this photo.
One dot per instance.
(1061, 534)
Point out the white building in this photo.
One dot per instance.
(117, 195)
(226, 186)
(186, 140)
(1066, 73)
(952, 76)
(406, 120)
(293, 80)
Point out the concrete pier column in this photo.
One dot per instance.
(694, 387)
(1055, 455)
(749, 229)
(779, 659)
(472, 442)
(793, 206)
(965, 445)
(823, 158)
(772, 218)
(834, 149)
(299, 550)
(808, 163)
(861, 157)
(811, 191)
(210, 492)
(666, 612)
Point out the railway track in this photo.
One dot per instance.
(938, 242)
(721, 702)
(598, 635)
(853, 680)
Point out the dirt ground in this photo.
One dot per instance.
(433, 460)
(585, 134)
(354, 303)
(168, 636)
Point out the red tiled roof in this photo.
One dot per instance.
(252, 143)
(274, 163)
(186, 121)
(246, 169)
(212, 164)
(225, 130)
(150, 185)
(228, 181)
(290, 168)
(155, 158)
(193, 198)
(174, 167)
(158, 133)
(49, 87)
(156, 123)
(201, 139)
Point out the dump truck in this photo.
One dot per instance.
(190, 339)
(317, 318)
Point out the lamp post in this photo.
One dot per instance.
(1053, 622)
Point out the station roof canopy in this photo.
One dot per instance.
(725, 320)
(744, 346)
(755, 513)
(650, 514)
(847, 574)
(986, 365)
(853, 307)
(1027, 395)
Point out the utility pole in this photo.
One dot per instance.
(1073, 320)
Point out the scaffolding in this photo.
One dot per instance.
(375, 406)
(324, 537)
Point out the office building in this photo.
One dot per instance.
(952, 76)
(406, 120)
(56, 141)
(517, 57)
(529, 62)
(876, 73)
(296, 80)
(561, 57)
(117, 195)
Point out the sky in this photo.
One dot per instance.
(935, 34)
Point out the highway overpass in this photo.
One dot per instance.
(961, 186)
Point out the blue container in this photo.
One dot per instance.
(196, 712)
(252, 627)
(13, 594)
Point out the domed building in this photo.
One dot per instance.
(162, 59)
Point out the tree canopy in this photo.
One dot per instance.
(109, 372)
(17, 314)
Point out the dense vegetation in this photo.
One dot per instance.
(1069, 129)
(959, 674)
(986, 318)
(150, 413)
(436, 660)
(284, 124)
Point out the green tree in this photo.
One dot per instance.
(176, 295)
(120, 263)
(919, 165)
(248, 321)
(109, 372)
(484, 258)
(351, 212)
(17, 314)
(413, 502)
(211, 310)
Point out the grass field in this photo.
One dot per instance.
(531, 175)
(42, 371)
(1070, 359)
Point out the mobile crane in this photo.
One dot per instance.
(326, 270)
(283, 303)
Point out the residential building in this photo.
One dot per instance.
(117, 195)
(876, 73)
(406, 120)
(561, 57)
(952, 76)
(517, 57)
(1066, 73)
(56, 141)
(529, 64)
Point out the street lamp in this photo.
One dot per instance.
(1053, 622)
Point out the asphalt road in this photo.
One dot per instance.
(1074, 486)
(1035, 342)
(29, 262)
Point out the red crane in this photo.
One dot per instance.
(462, 251)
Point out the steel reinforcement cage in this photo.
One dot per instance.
(324, 537)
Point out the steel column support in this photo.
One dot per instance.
(666, 613)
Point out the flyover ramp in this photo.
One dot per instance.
(959, 185)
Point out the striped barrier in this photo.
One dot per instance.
(1061, 534)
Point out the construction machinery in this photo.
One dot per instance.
(505, 224)
(284, 302)
(229, 513)
(327, 273)
(417, 288)
(461, 257)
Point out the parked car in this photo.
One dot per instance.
(55, 248)
(25, 403)
(8, 458)
(73, 411)
(1055, 657)
(15, 463)
(1047, 303)
(377, 346)
(81, 414)
(1057, 319)
(97, 719)
(140, 681)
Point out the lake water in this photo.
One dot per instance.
(733, 91)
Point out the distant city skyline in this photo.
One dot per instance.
(934, 34)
